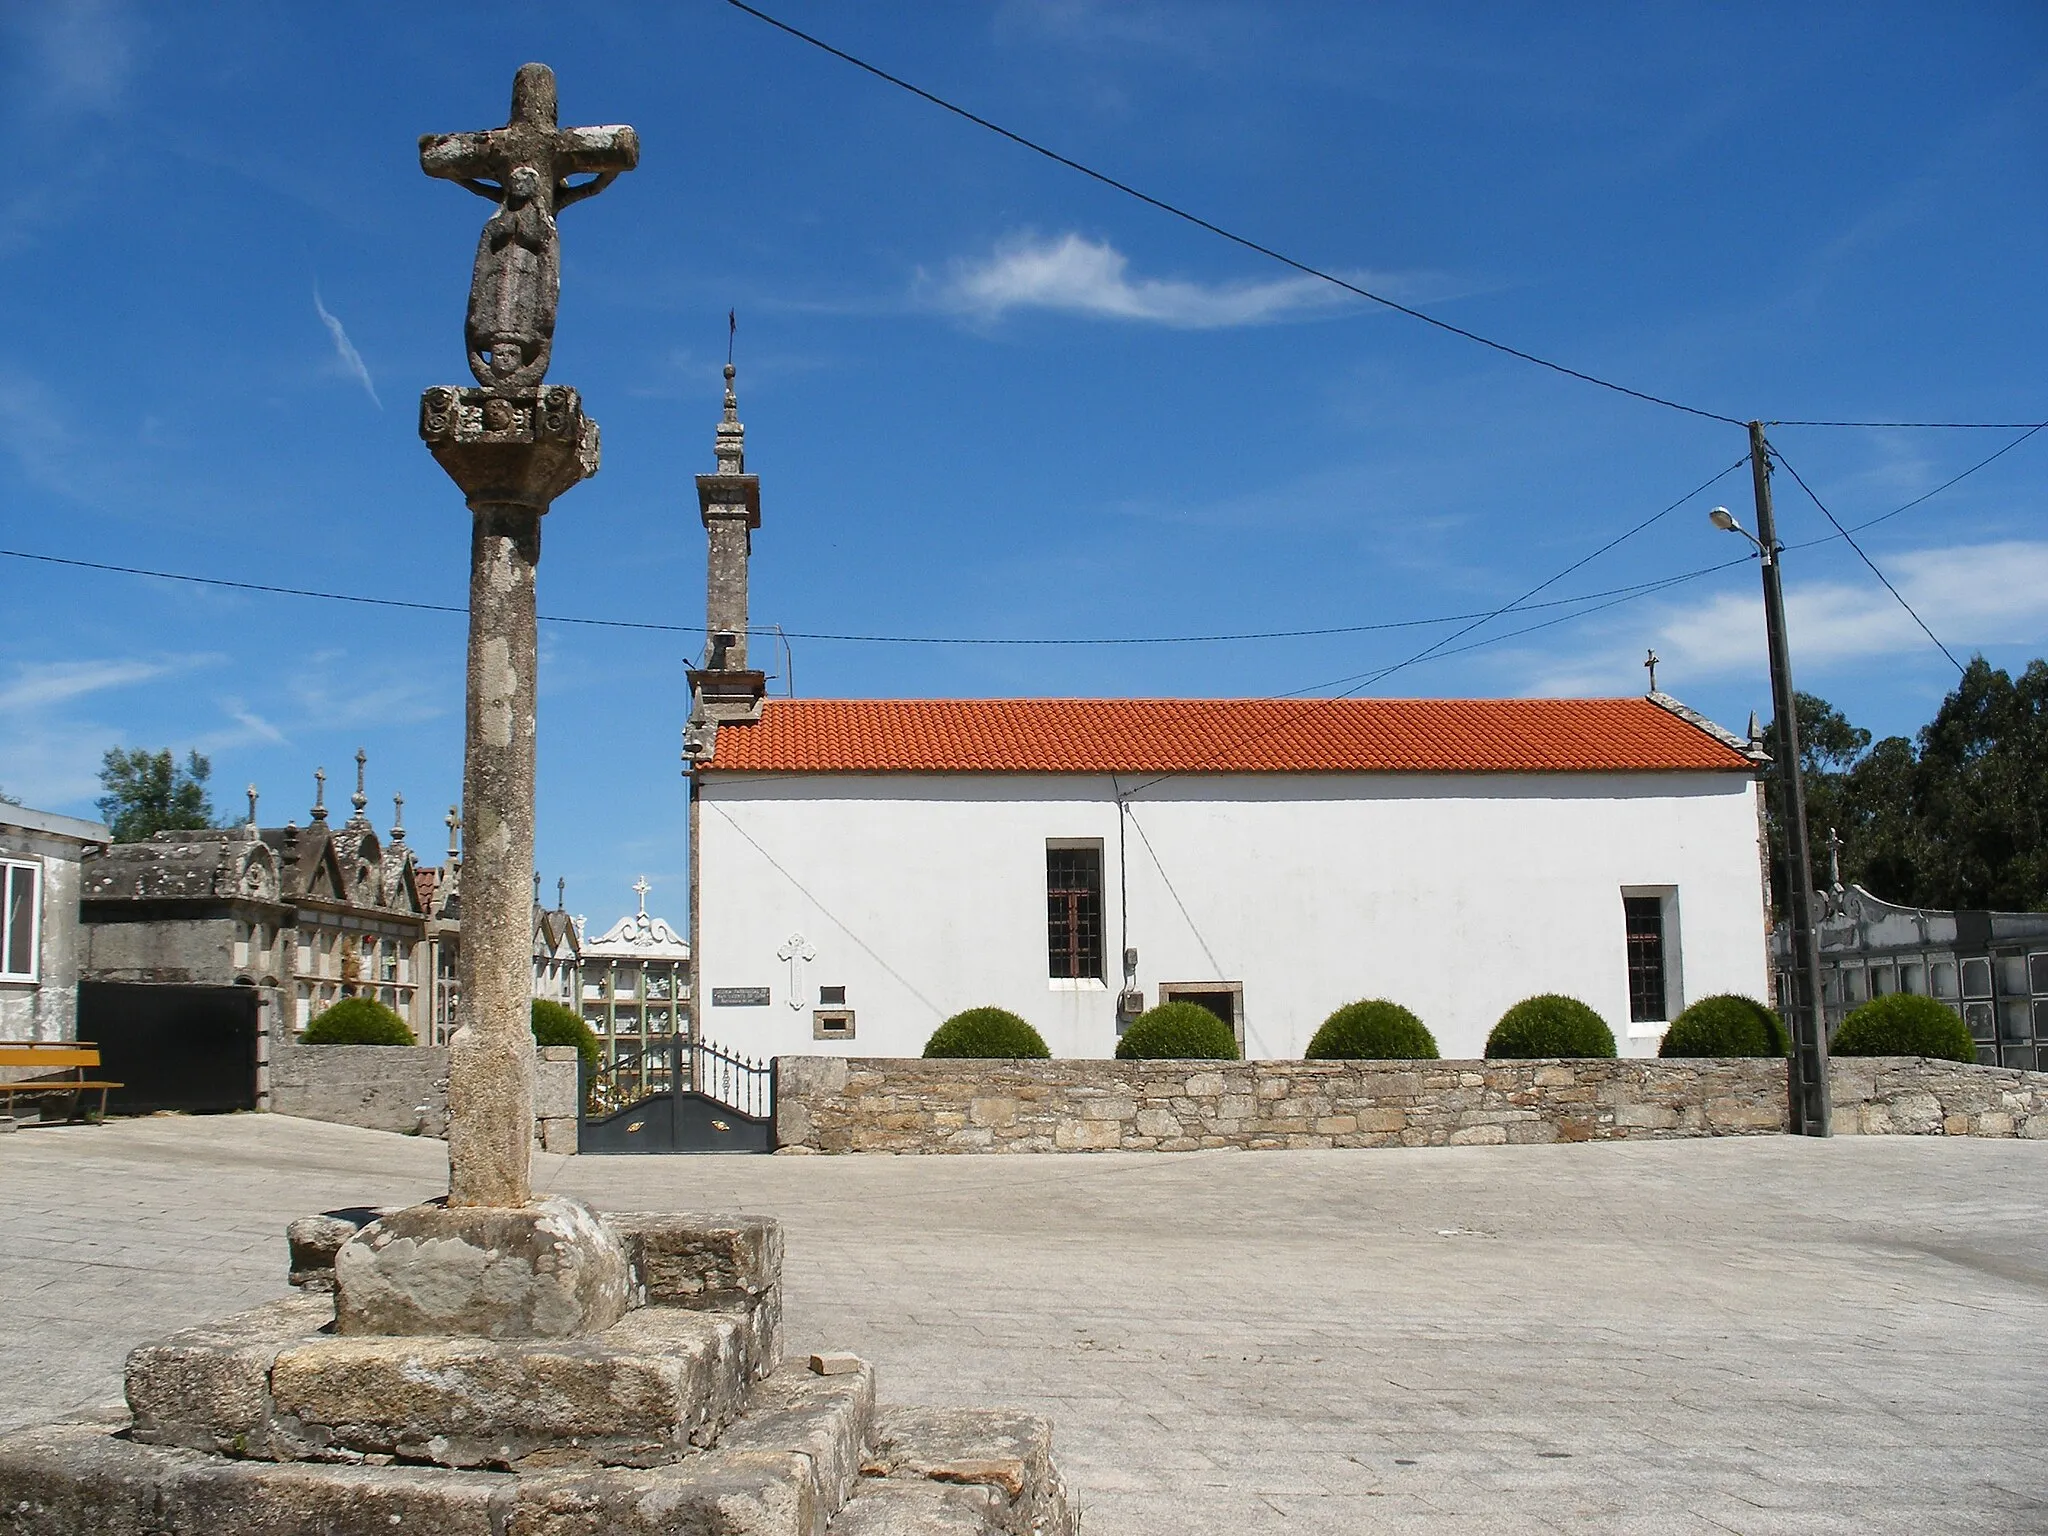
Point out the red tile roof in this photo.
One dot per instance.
(1218, 736)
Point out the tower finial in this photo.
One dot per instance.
(453, 821)
(360, 800)
(730, 445)
(320, 796)
(252, 805)
(397, 819)
(561, 892)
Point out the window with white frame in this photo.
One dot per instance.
(21, 920)
(1650, 918)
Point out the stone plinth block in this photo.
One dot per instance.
(545, 1270)
(208, 1388)
(683, 1260)
(519, 450)
(640, 1394)
(63, 1479)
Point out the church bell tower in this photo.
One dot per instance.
(725, 690)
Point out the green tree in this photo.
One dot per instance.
(148, 792)
(1953, 818)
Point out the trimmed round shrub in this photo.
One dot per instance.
(1372, 1030)
(1549, 1024)
(1177, 1032)
(991, 1033)
(1727, 1024)
(358, 1021)
(1903, 1025)
(556, 1024)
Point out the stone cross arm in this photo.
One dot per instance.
(489, 155)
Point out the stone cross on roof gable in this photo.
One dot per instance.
(359, 799)
(319, 794)
(523, 167)
(641, 888)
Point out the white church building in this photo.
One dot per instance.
(864, 868)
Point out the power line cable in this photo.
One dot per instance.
(685, 629)
(1909, 506)
(1880, 575)
(1363, 681)
(1998, 426)
(1216, 229)
(1635, 589)
(1301, 266)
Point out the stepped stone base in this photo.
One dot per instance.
(679, 1418)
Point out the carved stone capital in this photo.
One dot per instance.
(510, 449)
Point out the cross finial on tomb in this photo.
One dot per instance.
(360, 800)
(1652, 665)
(397, 819)
(453, 821)
(319, 794)
(641, 887)
(561, 892)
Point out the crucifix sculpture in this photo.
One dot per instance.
(524, 168)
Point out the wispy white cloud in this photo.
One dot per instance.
(1073, 275)
(249, 729)
(345, 350)
(38, 685)
(51, 751)
(78, 54)
(33, 433)
(1971, 595)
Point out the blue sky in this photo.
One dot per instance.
(987, 397)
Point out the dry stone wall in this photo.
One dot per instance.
(404, 1088)
(837, 1104)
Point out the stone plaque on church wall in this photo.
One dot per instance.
(739, 997)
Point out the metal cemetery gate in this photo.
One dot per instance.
(678, 1096)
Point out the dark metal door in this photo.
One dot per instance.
(678, 1096)
(172, 1047)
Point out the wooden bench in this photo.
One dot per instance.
(75, 1060)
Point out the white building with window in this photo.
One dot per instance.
(865, 868)
(40, 854)
(861, 869)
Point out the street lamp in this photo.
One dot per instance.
(1807, 1079)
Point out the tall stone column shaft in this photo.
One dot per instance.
(491, 1065)
(511, 456)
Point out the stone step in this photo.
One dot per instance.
(274, 1383)
(936, 1471)
(890, 1507)
(828, 1420)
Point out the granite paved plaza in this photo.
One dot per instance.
(1759, 1336)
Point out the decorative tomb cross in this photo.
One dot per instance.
(798, 952)
(523, 167)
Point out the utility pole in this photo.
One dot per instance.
(1807, 1080)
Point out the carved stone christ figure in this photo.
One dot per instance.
(523, 167)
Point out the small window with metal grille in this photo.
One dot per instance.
(1073, 900)
(1645, 918)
